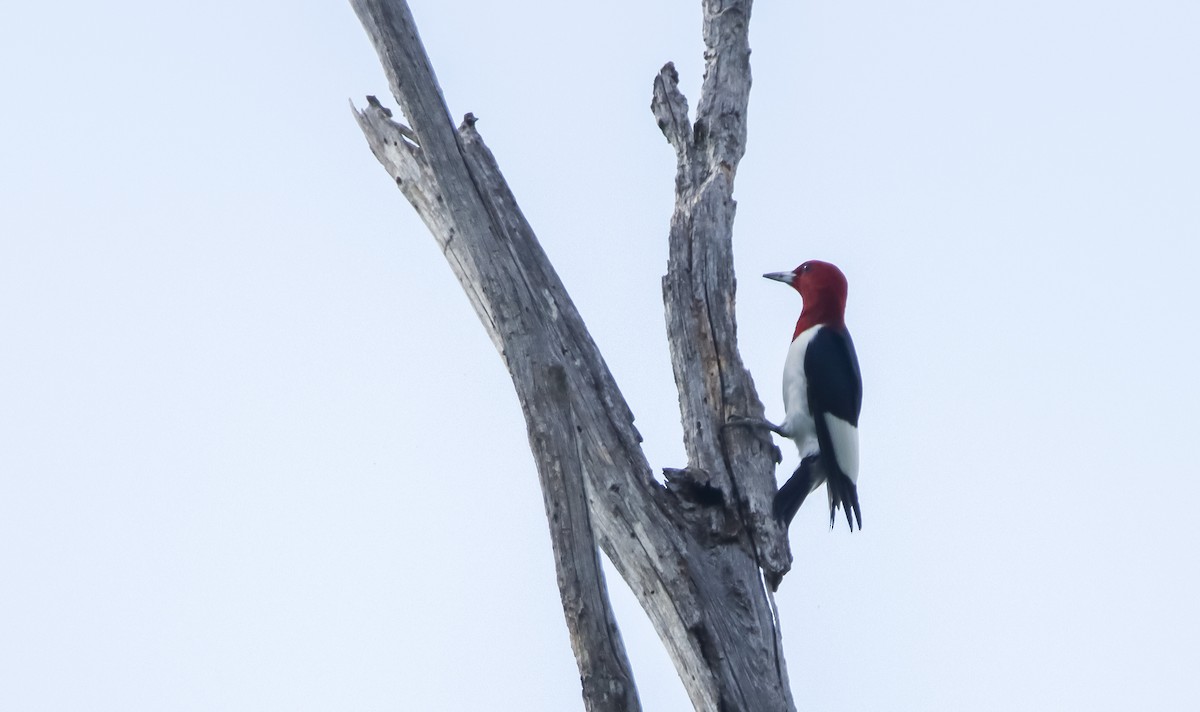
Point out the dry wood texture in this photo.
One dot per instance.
(691, 550)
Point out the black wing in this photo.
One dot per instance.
(834, 382)
(835, 387)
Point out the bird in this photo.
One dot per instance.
(822, 396)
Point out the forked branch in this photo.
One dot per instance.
(689, 550)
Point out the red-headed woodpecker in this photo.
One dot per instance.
(822, 395)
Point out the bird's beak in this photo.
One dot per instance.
(785, 277)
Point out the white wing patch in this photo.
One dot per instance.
(844, 438)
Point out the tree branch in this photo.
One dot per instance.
(699, 288)
(603, 666)
(687, 550)
(670, 108)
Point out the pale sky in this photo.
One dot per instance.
(257, 453)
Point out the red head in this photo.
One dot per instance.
(822, 286)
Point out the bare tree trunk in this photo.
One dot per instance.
(691, 550)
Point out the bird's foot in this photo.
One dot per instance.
(758, 425)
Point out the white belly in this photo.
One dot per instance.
(798, 421)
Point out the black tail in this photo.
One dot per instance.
(791, 495)
(842, 493)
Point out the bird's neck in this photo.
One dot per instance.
(827, 313)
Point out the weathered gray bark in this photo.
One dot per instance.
(690, 550)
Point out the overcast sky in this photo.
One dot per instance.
(257, 453)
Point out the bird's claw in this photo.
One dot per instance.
(737, 420)
(757, 424)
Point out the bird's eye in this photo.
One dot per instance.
(804, 267)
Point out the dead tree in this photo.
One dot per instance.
(701, 552)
